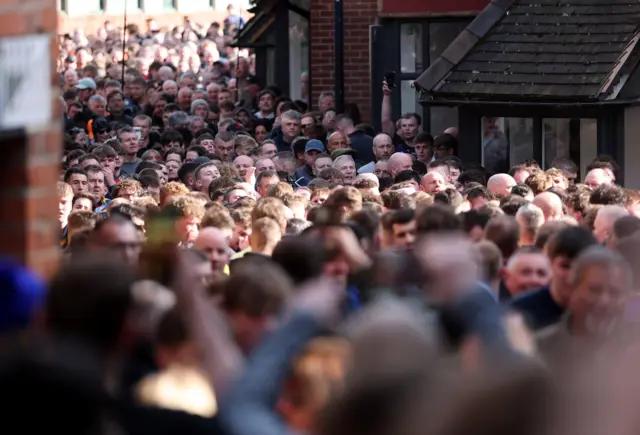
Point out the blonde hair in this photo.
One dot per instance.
(172, 188)
(186, 206)
(64, 190)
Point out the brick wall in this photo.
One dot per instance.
(358, 16)
(29, 161)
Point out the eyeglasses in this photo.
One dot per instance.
(307, 125)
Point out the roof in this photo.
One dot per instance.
(530, 50)
(260, 23)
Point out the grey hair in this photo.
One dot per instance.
(98, 98)
(325, 94)
(187, 75)
(532, 216)
(337, 161)
(599, 256)
(196, 103)
(178, 118)
(292, 114)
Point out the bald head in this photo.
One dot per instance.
(214, 243)
(399, 162)
(603, 224)
(550, 204)
(597, 177)
(501, 184)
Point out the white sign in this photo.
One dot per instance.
(25, 81)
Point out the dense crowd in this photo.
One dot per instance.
(237, 262)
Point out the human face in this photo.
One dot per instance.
(319, 198)
(122, 240)
(321, 164)
(170, 87)
(64, 208)
(212, 92)
(561, 277)
(240, 237)
(235, 195)
(137, 91)
(243, 163)
(348, 169)
(424, 151)
(443, 170)
(210, 145)
(290, 127)
(264, 165)
(382, 170)
(98, 107)
(190, 156)
(116, 104)
(268, 150)
(224, 150)
(187, 228)
(265, 184)
(145, 126)
(529, 271)
(310, 157)
(383, 147)
(402, 163)
(108, 163)
(454, 174)
(599, 299)
(84, 204)
(173, 167)
(408, 128)
(242, 117)
(158, 108)
(224, 96)
(261, 133)
(326, 103)
(207, 175)
(214, 245)
(130, 143)
(307, 122)
(79, 183)
(432, 183)
(265, 104)
(337, 141)
(97, 186)
(196, 125)
(521, 176)
(404, 235)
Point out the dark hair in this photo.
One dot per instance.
(171, 136)
(407, 175)
(511, 204)
(438, 218)
(608, 195)
(521, 190)
(474, 218)
(570, 242)
(71, 171)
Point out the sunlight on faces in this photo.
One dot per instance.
(242, 163)
(187, 228)
(84, 204)
(206, 176)
(264, 165)
(322, 163)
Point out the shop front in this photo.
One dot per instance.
(540, 82)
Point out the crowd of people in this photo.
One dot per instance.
(237, 262)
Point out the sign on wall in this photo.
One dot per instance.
(25, 81)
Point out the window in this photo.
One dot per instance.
(169, 4)
(506, 142)
(84, 7)
(575, 139)
(298, 53)
(421, 43)
(62, 6)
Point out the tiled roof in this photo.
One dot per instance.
(539, 49)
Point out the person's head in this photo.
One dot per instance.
(117, 236)
(444, 146)
(601, 280)
(440, 166)
(265, 180)
(409, 125)
(568, 168)
(505, 233)
(96, 181)
(321, 162)
(605, 220)
(562, 249)
(127, 189)
(77, 179)
(90, 299)
(347, 166)
(290, 122)
(596, 178)
(423, 146)
(65, 201)
(401, 228)
(253, 298)
(129, 140)
(265, 235)
(474, 222)
(189, 212)
(438, 218)
(500, 185)
(399, 162)
(550, 204)
(520, 173)
(607, 194)
(530, 219)
(491, 264)
(263, 164)
(82, 201)
(316, 375)
(204, 175)
(267, 150)
(432, 183)
(214, 243)
(224, 146)
(527, 269)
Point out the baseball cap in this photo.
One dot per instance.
(314, 145)
(86, 83)
(342, 152)
(22, 295)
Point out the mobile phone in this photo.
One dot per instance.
(138, 131)
(390, 78)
